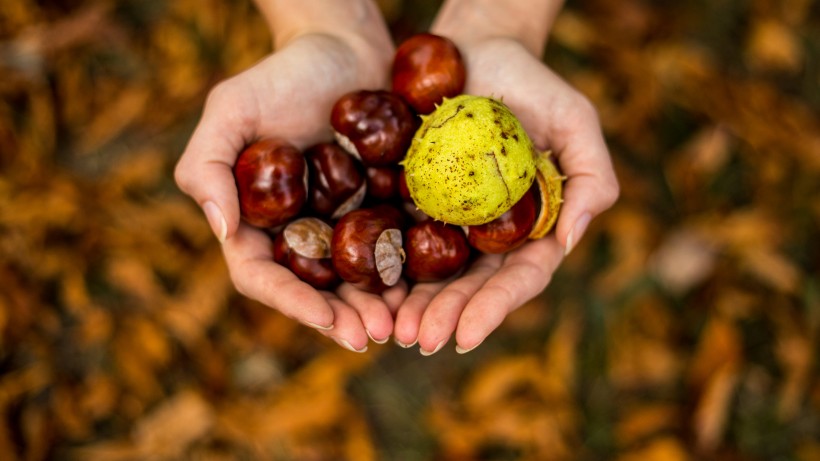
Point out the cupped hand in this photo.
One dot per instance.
(289, 94)
(558, 118)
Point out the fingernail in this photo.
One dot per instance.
(217, 220)
(577, 232)
(376, 340)
(319, 327)
(464, 351)
(404, 345)
(438, 348)
(348, 346)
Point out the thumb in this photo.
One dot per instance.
(591, 185)
(205, 169)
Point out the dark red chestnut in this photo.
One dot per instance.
(426, 69)
(435, 251)
(271, 179)
(407, 202)
(280, 250)
(404, 192)
(304, 247)
(382, 182)
(336, 182)
(507, 231)
(375, 126)
(367, 248)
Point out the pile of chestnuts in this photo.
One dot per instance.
(340, 211)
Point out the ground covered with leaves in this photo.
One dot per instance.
(686, 325)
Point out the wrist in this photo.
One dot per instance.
(469, 22)
(356, 26)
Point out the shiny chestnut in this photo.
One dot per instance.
(376, 126)
(426, 69)
(382, 182)
(367, 248)
(509, 230)
(336, 183)
(408, 204)
(303, 246)
(435, 251)
(271, 179)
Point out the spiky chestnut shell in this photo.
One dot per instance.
(470, 161)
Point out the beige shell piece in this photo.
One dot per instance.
(550, 186)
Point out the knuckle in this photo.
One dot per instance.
(219, 94)
(239, 283)
(586, 108)
(611, 192)
(181, 176)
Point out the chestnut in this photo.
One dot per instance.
(426, 69)
(375, 126)
(303, 246)
(382, 182)
(435, 251)
(367, 248)
(407, 201)
(336, 184)
(271, 179)
(507, 231)
(319, 273)
(404, 192)
(280, 249)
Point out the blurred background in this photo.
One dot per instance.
(684, 327)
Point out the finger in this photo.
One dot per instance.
(348, 331)
(441, 316)
(372, 310)
(250, 262)
(408, 317)
(394, 296)
(204, 171)
(526, 272)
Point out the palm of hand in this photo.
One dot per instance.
(289, 95)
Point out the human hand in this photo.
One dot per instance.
(557, 118)
(289, 94)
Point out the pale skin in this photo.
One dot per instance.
(326, 48)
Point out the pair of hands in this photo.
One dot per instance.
(289, 94)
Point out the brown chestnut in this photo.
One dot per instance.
(408, 204)
(367, 248)
(404, 192)
(319, 273)
(336, 183)
(280, 249)
(376, 126)
(426, 69)
(507, 231)
(382, 182)
(303, 246)
(271, 179)
(435, 251)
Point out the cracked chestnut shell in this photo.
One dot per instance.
(367, 248)
(435, 251)
(271, 179)
(375, 126)
(508, 231)
(336, 181)
(426, 69)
